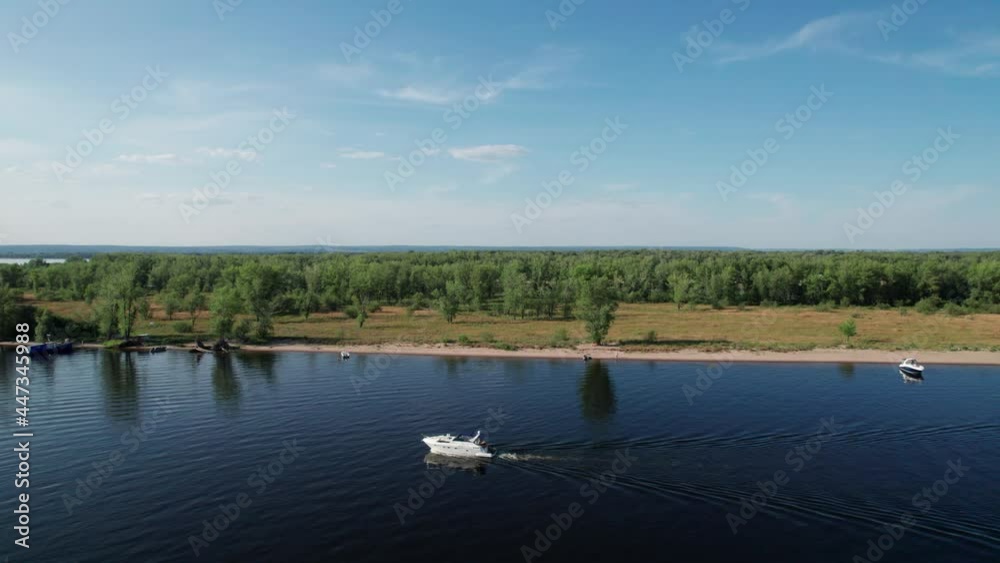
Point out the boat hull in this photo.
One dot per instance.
(910, 371)
(457, 449)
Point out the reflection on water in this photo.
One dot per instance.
(846, 370)
(119, 378)
(225, 385)
(472, 465)
(597, 392)
(259, 364)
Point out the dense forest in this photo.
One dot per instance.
(245, 292)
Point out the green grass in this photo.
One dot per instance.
(647, 327)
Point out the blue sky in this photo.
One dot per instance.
(199, 79)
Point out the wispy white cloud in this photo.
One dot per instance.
(166, 158)
(488, 153)
(328, 165)
(221, 152)
(421, 94)
(972, 55)
(968, 55)
(355, 154)
(826, 32)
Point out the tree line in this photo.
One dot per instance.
(245, 292)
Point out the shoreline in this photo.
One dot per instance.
(818, 355)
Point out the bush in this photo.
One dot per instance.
(182, 327)
(928, 305)
(954, 310)
(243, 329)
(351, 311)
(464, 340)
(848, 328)
(560, 339)
(826, 306)
(651, 337)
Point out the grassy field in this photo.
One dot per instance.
(752, 328)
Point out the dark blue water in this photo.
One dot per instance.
(314, 459)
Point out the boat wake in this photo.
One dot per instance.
(511, 456)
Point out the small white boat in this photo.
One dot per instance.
(459, 446)
(911, 368)
(345, 355)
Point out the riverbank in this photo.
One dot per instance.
(831, 355)
(819, 355)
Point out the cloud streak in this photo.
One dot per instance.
(488, 153)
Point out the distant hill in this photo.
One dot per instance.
(65, 250)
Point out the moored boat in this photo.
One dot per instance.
(910, 367)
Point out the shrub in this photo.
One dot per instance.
(243, 329)
(651, 337)
(182, 327)
(464, 340)
(848, 328)
(560, 338)
(826, 306)
(928, 305)
(954, 310)
(351, 311)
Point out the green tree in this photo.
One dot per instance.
(44, 325)
(171, 304)
(261, 285)
(848, 328)
(226, 304)
(122, 297)
(681, 284)
(194, 303)
(596, 307)
(8, 309)
(448, 303)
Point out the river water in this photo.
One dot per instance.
(304, 457)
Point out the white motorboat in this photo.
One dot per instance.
(911, 368)
(459, 446)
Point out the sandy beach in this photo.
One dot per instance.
(833, 355)
(819, 355)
